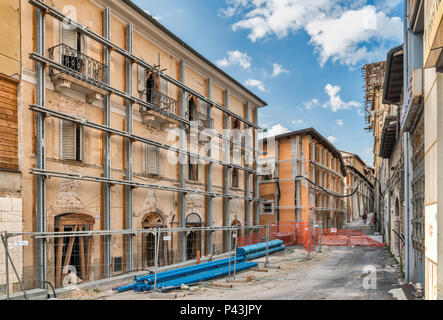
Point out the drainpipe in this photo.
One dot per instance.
(406, 140)
(389, 202)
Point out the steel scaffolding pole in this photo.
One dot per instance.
(182, 168)
(247, 181)
(226, 173)
(256, 191)
(107, 147)
(209, 172)
(40, 150)
(128, 189)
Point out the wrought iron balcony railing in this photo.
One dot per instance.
(77, 64)
(162, 101)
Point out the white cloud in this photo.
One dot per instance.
(275, 130)
(339, 122)
(155, 17)
(235, 58)
(335, 102)
(255, 83)
(341, 39)
(338, 30)
(278, 69)
(234, 6)
(332, 139)
(312, 103)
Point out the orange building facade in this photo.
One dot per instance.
(292, 158)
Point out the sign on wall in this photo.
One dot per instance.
(431, 232)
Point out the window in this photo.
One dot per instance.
(152, 163)
(71, 141)
(117, 263)
(235, 178)
(267, 207)
(192, 169)
(73, 43)
(192, 116)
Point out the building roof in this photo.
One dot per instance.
(353, 155)
(148, 17)
(393, 84)
(314, 133)
(388, 137)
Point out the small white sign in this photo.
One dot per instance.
(167, 238)
(333, 229)
(21, 243)
(431, 232)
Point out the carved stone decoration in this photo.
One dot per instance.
(67, 196)
(150, 204)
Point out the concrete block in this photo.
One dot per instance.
(221, 285)
(163, 295)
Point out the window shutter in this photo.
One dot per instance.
(68, 142)
(163, 84)
(141, 77)
(152, 160)
(69, 36)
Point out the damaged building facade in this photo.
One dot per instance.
(359, 176)
(109, 101)
(288, 196)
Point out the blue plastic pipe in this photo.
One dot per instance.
(262, 253)
(242, 251)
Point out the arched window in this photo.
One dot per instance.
(153, 220)
(193, 238)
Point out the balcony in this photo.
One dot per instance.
(164, 103)
(82, 73)
(200, 119)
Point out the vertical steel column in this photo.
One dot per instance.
(209, 172)
(107, 147)
(314, 178)
(277, 182)
(256, 194)
(40, 152)
(227, 171)
(128, 189)
(247, 178)
(182, 164)
(296, 172)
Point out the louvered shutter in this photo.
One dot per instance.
(68, 143)
(69, 36)
(141, 78)
(152, 160)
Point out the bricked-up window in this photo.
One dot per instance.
(152, 160)
(71, 141)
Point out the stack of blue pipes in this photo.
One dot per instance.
(173, 279)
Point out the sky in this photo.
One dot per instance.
(303, 58)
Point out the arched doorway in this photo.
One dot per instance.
(150, 221)
(193, 238)
(73, 254)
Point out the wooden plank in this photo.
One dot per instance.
(8, 96)
(8, 112)
(69, 249)
(9, 84)
(8, 160)
(9, 117)
(82, 254)
(8, 154)
(8, 103)
(8, 89)
(58, 267)
(9, 166)
(7, 130)
(7, 123)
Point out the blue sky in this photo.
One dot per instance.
(302, 57)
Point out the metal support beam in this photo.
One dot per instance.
(277, 182)
(128, 189)
(209, 172)
(256, 193)
(182, 164)
(107, 148)
(40, 150)
(247, 181)
(297, 182)
(227, 173)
